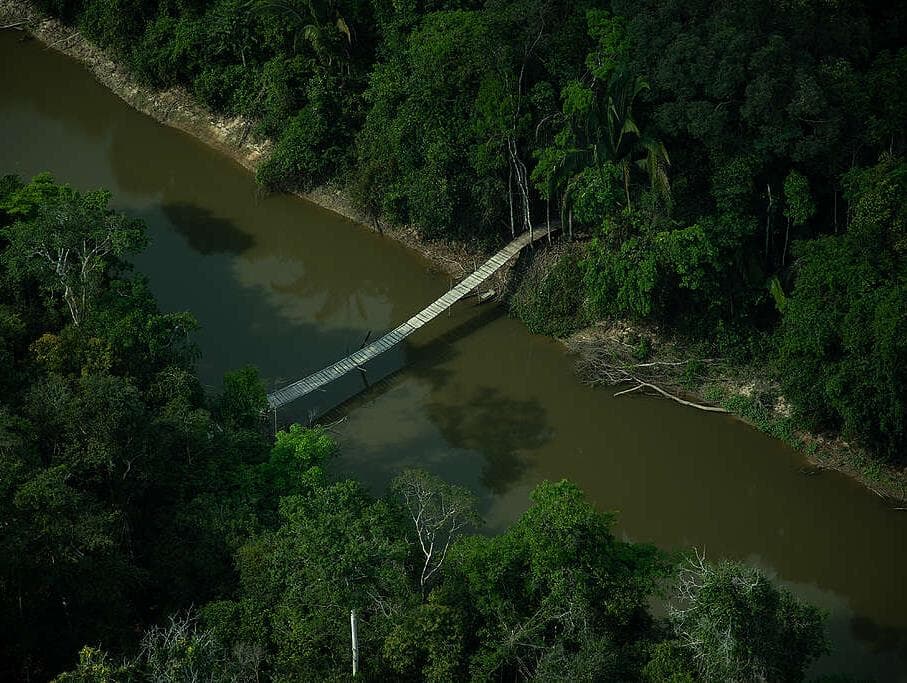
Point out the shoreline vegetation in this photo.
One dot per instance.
(177, 108)
(623, 354)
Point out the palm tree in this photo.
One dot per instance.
(313, 23)
(618, 138)
(607, 132)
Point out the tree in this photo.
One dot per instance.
(295, 466)
(319, 23)
(69, 242)
(182, 650)
(439, 511)
(600, 126)
(734, 625)
(334, 550)
(842, 337)
(111, 463)
(554, 583)
(625, 144)
(798, 205)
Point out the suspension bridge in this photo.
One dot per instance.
(357, 360)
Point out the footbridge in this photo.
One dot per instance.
(356, 360)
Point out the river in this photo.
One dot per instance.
(289, 287)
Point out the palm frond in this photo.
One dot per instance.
(344, 29)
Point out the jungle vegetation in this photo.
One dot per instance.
(154, 531)
(735, 169)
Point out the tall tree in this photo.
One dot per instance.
(732, 624)
(68, 241)
(439, 511)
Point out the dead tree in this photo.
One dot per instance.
(439, 511)
(615, 365)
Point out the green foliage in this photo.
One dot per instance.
(414, 148)
(777, 292)
(555, 597)
(643, 349)
(243, 400)
(335, 549)
(95, 666)
(427, 644)
(169, 50)
(66, 10)
(669, 663)
(638, 268)
(842, 338)
(554, 583)
(798, 203)
(732, 624)
(222, 87)
(113, 24)
(732, 184)
(301, 157)
(621, 282)
(294, 467)
(759, 410)
(111, 460)
(69, 242)
(440, 513)
(551, 300)
(180, 651)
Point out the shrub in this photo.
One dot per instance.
(298, 158)
(217, 85)
(170, 51)
(114, 24)
(549, 299)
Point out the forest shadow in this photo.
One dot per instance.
(499, 427)
(206, 233)
(879, 638)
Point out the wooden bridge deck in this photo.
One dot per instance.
(306, 385)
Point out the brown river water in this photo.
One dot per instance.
(289, 287)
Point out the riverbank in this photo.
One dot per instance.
(633, 358)
(749, 398)
(175, 107)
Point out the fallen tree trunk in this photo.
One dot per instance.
(612, 362)
(649, 385)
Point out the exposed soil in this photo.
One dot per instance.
(743, 391)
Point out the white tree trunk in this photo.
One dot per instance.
(786, 240)
(354, 637)
(510, 198)
(522, 182)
